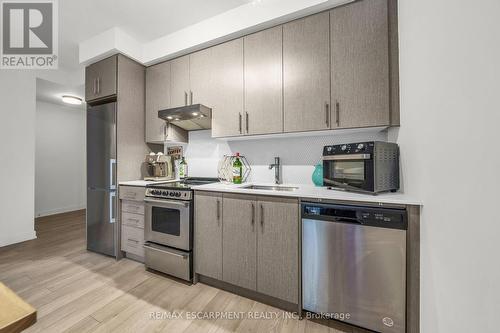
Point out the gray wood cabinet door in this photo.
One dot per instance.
(278, 248)
(360, 64)
(216, 80)
(263, 82)
(208, 234)
(130, 130)
(306, 74)
(100, 79)
(157, 98)
(180, 93)
(239, 241)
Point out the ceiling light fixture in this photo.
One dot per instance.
(170, 117)
(194, 114)
(71, 100)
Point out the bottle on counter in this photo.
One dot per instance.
(183, 168)
(237, 170)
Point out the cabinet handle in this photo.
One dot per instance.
(94, 86)
(261, 215)
(337, 112)
(246, 121)
(191, 97)
(327, 114)
(133, 240)
(98, 85)
(185, 98)
(239, 115)
(218, 211)
(253, 213)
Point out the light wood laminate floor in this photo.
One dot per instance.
(75, 290)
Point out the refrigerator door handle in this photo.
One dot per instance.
(112, 201)
(112, 168)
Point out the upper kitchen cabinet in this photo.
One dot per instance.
(263, 82)
(216, 80)
(306, 73)
(158, 94)
(360, 64)
(100, 79)
(180, 89)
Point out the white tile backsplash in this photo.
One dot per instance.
(298, 154)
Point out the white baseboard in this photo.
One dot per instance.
(8, 239)
(59, 210)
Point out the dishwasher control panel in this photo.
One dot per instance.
(369, 216)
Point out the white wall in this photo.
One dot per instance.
(17, 155)
(449, 136)
(247, 18)
(298, 154)
(59, 159)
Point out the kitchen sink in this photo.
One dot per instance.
(271, 188)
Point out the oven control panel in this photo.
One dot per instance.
(168, 194)
(350, 148)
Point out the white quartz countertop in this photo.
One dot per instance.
(311, 192)
(144, 183)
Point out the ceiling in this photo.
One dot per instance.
(50, 92)
(144, 20)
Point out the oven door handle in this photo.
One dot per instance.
(165, 202)
(347, 157)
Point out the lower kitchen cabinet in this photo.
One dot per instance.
(253, 245)
(208, 234)
(278, 248)
(132, 241)
(239, 241)
(132, 221)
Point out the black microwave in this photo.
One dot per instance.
(370, 167)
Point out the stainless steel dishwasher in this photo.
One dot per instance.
(354, 264)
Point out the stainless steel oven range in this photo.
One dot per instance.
(168, 231)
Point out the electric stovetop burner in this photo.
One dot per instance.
(186, 183)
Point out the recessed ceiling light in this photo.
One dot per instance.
(194, 113)
(72, 100)
(170, 117)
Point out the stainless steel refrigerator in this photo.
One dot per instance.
(101, 178)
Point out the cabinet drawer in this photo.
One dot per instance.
(135, 207)
(133, 240)
(133, 220)
(132, 193)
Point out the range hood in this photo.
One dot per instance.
(191, 117)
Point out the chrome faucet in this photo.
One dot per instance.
(277, 174)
